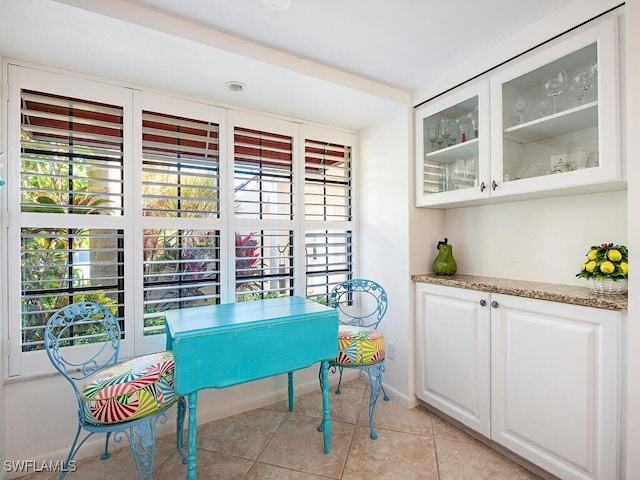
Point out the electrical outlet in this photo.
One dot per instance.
(391, 351)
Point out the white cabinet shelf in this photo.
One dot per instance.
(561, 123)
(460, 150)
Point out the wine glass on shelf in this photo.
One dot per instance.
(433, 132)
(582, 79)
(454, 134)
(520, 105)
(554, 85)
(446, 128)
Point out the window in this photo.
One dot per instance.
(263, 192)
(71, 167)
(328, 204)
(263, 174)
(147, 203)
(180, 185)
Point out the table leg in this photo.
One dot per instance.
(290, 384)
(324, 368)
(191, 437)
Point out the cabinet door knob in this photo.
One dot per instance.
(483, 302)
(482, 187)
(494, 304)
(494, 185)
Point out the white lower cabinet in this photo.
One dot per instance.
(540, 378)
(453, 339)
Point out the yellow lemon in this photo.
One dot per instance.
(590, 266)
(624, 267)
(607, 267)
(583, 267)
(614, 255)
(592, 254)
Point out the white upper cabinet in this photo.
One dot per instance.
(555, 117)
(453, 147)
(548, 124)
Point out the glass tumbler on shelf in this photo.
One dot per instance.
(466, 132)
(459, 174)
(472, 171)
(544, 107)
(473, 116)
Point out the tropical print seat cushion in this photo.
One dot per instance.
(359, 346)
(130, 390)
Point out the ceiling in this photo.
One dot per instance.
(399, 42)
(339, 62)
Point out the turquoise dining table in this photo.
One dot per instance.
(219, 346)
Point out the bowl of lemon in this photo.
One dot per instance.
(606, 269)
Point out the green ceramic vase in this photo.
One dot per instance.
(444, 263)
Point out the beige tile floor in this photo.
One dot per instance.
(272, 443)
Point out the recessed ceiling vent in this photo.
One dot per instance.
(235, 86)
(277, 4)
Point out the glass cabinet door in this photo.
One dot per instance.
(451, 135)
(554, 116)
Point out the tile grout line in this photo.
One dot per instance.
(435, 446)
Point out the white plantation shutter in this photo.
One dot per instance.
(180, 166)
(329, 261)
(180, 184)
(328, 194)
(264, 204)
(327, 181)
(71, 169)
(76, 147)
(263, 174)
(264, 264)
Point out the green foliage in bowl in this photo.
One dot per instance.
(606, 261)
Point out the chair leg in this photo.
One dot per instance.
(385, 397)
(182, 408)
(375, 379)
(340, 369)
(142, 441)
(106, 453)
(72, 453)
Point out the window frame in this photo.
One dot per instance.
(33, 363)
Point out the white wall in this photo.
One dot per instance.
(384, 176)
(542, 240)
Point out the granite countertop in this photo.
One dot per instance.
(520, 288)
